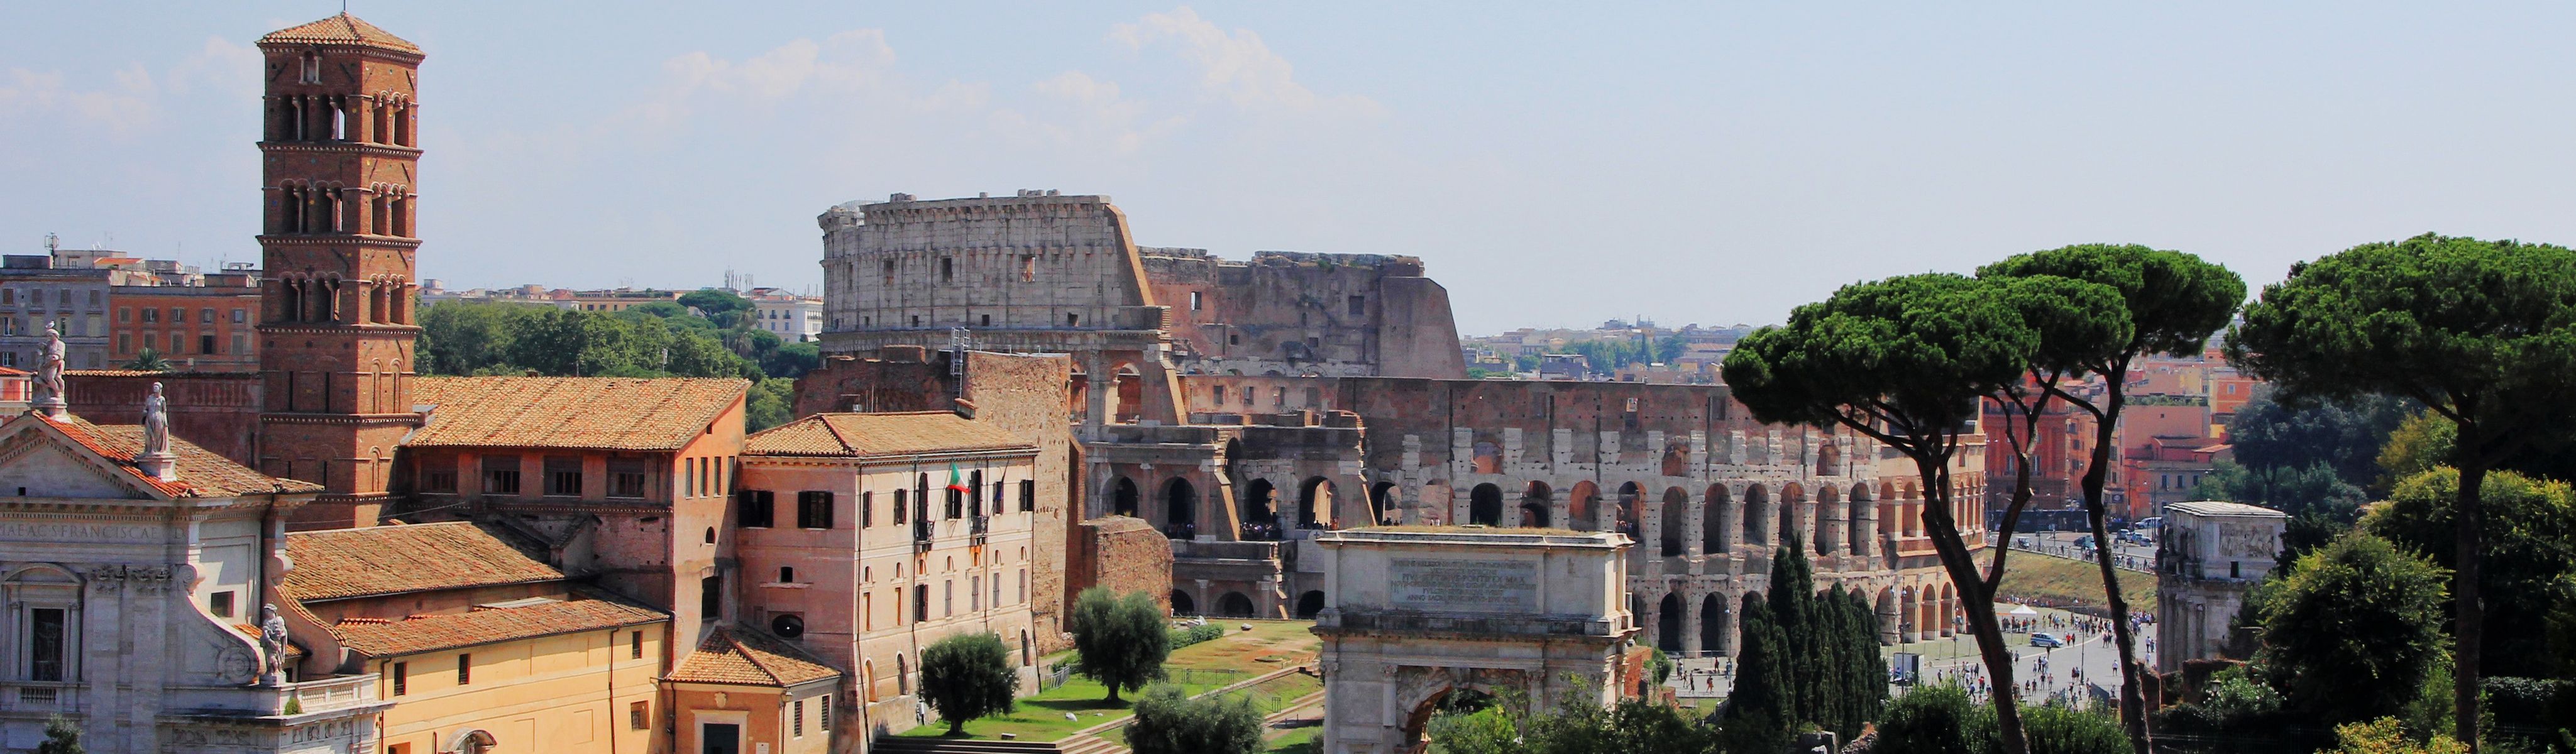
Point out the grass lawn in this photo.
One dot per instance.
(2052, 580)
(1297, 741)
(1198, 668)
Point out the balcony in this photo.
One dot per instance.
(40, 697)
(325, 694)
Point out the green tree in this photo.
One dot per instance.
(1118, 641)
(61, 737)
(148, 360)
(1170, 722)
(2062, 729)
(711, 302)
(2173, 301)
(1903, 361)
(2352, 629)
(2529, 559)
(2481, 332)
(1758, 714)
(772, 402)
(1792, 599)
(2343, 435)
(792, 360)
(967, 676)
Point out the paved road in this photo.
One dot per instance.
(2091, 656)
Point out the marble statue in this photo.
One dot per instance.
(272, 644)
(156, 423)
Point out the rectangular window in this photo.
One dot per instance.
(221, 604)
(947, 270)
(151, 316)
(688, 477)
(799, 725)
(1195, 301)
(956, 502)
(438, 480)
(1028, 268)
(1359, 306)
(635, 645)
(813, 510)
(241, 316)
(920, 603)
(639, 715)
(867, 509)
(1028, 495)
(753, 508)
(974, 593)
(206, 316)
(402, 678)
(241, 344)
(46, 645)
(206, 343)
(464, 669)
(563, 476)
(178, 315)
(125, 342)
(823, 714)
(500, 475)
(899, 506)
(948, 597)
(626, 477)
(710, 598)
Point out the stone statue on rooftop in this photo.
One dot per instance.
(156, 423)
(272, 645)
(49, 373)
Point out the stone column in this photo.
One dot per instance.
(1837, 531)
(1691, 618)
(1097, 382)
(1695, 541)
(1868, 524)
(1730, 522)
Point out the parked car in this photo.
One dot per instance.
(2046, 640)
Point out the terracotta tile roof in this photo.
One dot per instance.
(429, 633)
(588, 413)
(880, 434)
(344, 563)
(343, 29)
(202, 473)
(748, 658)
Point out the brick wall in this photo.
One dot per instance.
(218, 412)
(1121, 553)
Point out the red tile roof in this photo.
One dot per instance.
(748, 658)
(343, 29)
(881, 434)
(201, 472)
(429, 633)
(345, 563)
(586, 413)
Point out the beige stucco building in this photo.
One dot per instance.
(2208, 554)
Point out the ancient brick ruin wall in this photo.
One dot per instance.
(1285, 313)
(1027, 262)
(1026, 395)
(1123, 554)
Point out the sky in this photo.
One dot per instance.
(1716, 163)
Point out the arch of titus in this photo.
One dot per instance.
(1413, 613)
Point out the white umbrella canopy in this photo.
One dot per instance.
(2024, 610)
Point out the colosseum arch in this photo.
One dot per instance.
(1631, 498)
(1180, 507)
(1793, 505)
(1757, 515)
(1261, 503)
(1485, 505)
(1582, 504)
(1713, 520)
(1821, 531)
(1676, 521)
(1537, 505)
(1716, 629)
(1122, 496)
(1668, 623)
(1382, 501)
(1861, 520)
(1315, 502)
(1676, 461)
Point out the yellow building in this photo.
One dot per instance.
(481, 648)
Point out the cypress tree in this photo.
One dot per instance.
(1758, 709)
(1792, 598)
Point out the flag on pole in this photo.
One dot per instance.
(955, 483)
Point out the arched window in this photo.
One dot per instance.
(1485, 505)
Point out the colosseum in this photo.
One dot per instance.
(1240, 406)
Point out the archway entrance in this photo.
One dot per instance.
(1234, 605)
(1381, 500)
(1315, 503)
(1260, 512)
(1668, 624)
(1180, 509)
(1122, 497)
(1485, 505)
(1712, 625)
(1309, 604)
(1182, 604)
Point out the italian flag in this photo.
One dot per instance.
(956, 483)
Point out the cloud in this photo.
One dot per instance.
(1236, 66)
(221, 66)
(121, 110)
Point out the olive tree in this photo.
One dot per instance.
(1904, 361)
(1118, 641)
(2170, 302)
(967, 676)
(2483, 333)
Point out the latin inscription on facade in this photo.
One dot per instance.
(78, 532)
(2248, 541)
(1465, 586)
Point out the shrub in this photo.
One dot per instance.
(1169, 722)
(2059, 729)
(1932, 720)
(2386, 736)
(1195, 634)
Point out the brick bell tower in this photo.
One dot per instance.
(339, 152)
